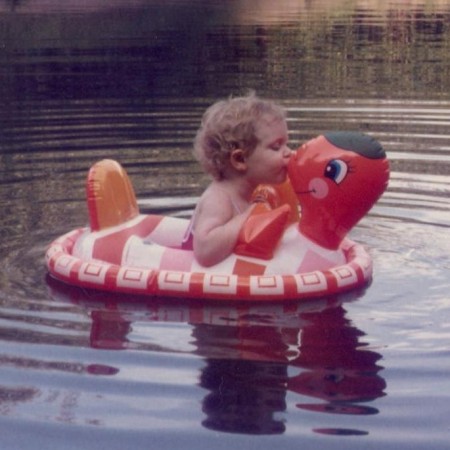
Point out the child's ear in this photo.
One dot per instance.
(237, 160)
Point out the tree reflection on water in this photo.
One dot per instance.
(148, 51)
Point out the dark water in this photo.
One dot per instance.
(81, 81)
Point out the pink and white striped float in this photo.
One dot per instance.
(336, 178)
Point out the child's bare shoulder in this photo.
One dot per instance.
(214, 198)
(214, 206)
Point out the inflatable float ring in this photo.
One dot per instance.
(334, 180)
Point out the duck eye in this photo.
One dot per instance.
(336, 170)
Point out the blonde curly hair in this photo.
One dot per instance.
(228, 125)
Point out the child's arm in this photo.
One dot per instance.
(216, 229)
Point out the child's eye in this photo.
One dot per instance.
(277, 146)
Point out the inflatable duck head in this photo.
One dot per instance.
(337, 178)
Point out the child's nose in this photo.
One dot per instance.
(287, 152)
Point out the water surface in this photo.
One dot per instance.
(81, 82)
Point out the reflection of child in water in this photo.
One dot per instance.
(241, 143)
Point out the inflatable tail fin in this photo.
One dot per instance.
(110, 196)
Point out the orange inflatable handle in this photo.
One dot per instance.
(262, 231)
(275, 208)
(275, 195)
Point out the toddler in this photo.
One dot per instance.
(241, 143)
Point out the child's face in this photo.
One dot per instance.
(268, 162)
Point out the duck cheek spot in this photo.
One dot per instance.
(318, 188)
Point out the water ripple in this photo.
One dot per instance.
(86, 369)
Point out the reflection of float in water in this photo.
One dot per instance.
(259, 358)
